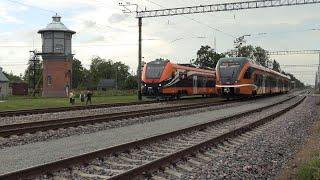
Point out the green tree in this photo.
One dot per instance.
(78, 74)
(29, 74)
(207, 57)
(121, 73)
(13, 78)
(131, 82)
(276, 66)
(107, 69)
(246, 51)
(261, 56)
(257, 53)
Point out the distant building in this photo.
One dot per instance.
(57, 58)
(19, 89)
(4, 85)
(105, 84)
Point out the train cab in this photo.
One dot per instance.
(241, 76)
(163, 79)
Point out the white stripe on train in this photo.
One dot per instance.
(241, 85)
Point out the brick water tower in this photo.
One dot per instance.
(57, 58)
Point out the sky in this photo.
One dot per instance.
(102, 29)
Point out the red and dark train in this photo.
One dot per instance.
(163, 79)
(241, 76)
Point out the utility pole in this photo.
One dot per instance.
(317, 85)
(34, 59)
(127, 10)
(214, 43)
(139, 58)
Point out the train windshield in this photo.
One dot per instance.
(154, 69)
(229, 71)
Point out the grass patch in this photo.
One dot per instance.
(16, 102)
(310, 171)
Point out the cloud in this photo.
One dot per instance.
(89, 24)
(116, 18)
(95, 39)
(5, 10)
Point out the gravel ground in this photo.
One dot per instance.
(60, 133)
(78, 113)
(263, 156)
(87, 112)
(148, 153)
(20, 157)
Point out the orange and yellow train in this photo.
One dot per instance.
(238, 76)
(163, 79)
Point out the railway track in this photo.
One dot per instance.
(32, 127)
(73, 108)
(143, 157)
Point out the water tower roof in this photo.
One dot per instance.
(56, 25)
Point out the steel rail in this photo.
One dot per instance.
(66, 108)
(174, 157)
(31, 127)
(84, 158)
(80, 107)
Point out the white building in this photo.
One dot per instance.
(4, 85)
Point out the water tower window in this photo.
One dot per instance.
(59, 48)
(49, 80)
(59, 42)
(47, 35)
(68, 36)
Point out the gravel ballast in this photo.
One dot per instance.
(20, 157)
(148, 152)
(78, 113)
(263, 156)
(92, 112)
(61, 133)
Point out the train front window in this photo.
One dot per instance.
(229, 71)
(154, 71)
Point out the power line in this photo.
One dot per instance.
(300, 65)
(197, 21)
(294, 52)
(32, 6)
(222, 7)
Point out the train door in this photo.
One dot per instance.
(195, 85)
(204, 85)
(263, 84)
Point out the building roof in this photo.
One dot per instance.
(56, 25)
(107, 83)
(3, 78)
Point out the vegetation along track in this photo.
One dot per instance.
(180, 143)
(32, 127)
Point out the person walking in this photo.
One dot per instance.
(88, 96)
(71, 97)
(82, 96)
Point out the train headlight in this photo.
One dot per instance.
(160, 85)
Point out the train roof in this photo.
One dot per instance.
(241, 59)
(184, 66)
(187, 65)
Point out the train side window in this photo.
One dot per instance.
(248, 73)
(256, 80)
